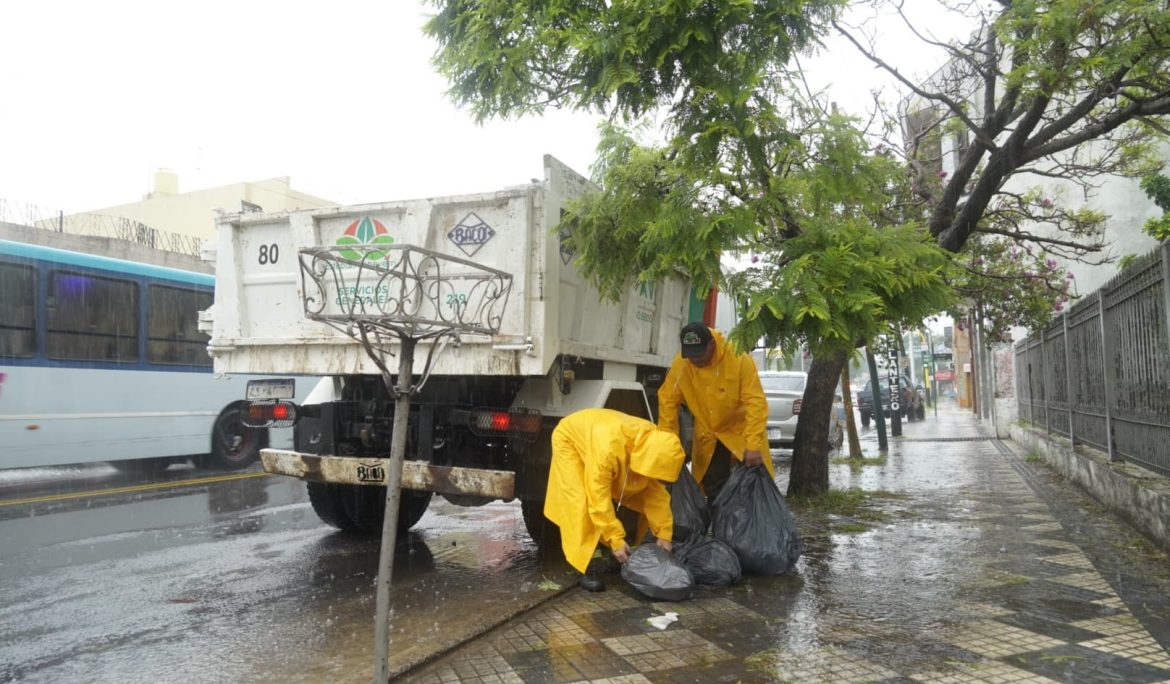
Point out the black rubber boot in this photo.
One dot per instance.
(591, 580)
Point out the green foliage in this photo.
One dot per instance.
(510, 57)
(1157, 188)
(825, 276)
(843, 281)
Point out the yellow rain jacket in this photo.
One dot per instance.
(600, 456)
(728, 403)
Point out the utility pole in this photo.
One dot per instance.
(933, 372)
(875, 385)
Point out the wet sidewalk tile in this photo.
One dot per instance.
(962, 572)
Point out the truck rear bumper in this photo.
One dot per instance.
(416, 475)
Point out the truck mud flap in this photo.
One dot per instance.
(418, 475)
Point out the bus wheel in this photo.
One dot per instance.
(365, 507)
(233, 445)
(543, 531)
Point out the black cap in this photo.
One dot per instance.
(694, 337)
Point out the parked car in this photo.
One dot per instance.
(912, 405)
(785, 392)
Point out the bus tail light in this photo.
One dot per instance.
(270, 413)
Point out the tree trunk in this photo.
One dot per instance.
(850, 424)
(810, 458)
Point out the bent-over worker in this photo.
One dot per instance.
(600, 456)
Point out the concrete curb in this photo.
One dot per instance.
(1138, 495)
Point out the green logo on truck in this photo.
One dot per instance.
(365, 235)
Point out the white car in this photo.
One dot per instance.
(784, 391)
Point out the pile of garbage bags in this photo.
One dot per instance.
(751, 531)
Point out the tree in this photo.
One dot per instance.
(752, 162)
(1045, 92)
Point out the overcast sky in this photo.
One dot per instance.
(340, 97)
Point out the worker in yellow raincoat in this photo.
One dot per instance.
(600, 456)
(722, 390)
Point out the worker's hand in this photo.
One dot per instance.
(752, 458)
(664, 544)
(622, 553)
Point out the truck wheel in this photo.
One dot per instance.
(543, 531)
(922, 412)
(233, 445)
(326, 501)
(366, 507)
(865, 419)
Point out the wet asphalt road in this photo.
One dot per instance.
(202, 576)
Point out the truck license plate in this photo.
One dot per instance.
(270, 388)
(774, 433)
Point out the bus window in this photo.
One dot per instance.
(17, 311)
(91, 319)
(172, 326)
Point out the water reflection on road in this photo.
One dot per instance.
(237, 580)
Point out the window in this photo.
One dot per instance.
(18, 285)
(91, 318)
(172, 326)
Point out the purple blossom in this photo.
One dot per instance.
(1051, 263)
(978, 261)
(1070, 276)
(755, 259)
(942, 174)
(1046, 203)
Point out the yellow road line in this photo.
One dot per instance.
(135, 488)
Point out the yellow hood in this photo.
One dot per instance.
(657, 454)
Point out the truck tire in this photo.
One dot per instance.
(543, 531)
(922, 412)
(233, 445)
(365, 507)
(865, 419)
(326, 502)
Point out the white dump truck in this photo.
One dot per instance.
(480, 426)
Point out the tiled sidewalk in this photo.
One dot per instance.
(958, 572)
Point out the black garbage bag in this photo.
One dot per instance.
(689, 507)
(658, 574)
(711, 562)
(750, 516)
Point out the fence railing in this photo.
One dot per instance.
(99, 225)
(1100, 374)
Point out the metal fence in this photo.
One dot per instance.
(99, 225)
(1100, 374)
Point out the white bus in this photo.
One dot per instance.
(101, 360)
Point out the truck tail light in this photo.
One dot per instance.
(522, 423)
(796, 406)
(270, 413)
